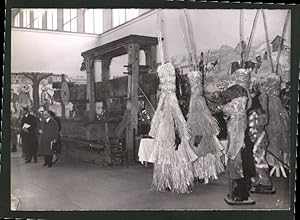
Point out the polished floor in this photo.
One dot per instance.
(74, 185)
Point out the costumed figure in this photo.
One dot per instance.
(239, 169)
(204, 131)
(47, 96)
(172, 155)
(278, 126)
(24, 100)
(258, 140)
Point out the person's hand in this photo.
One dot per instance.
(40, 132)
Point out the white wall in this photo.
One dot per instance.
(48, 51)
(211, 28)
(59, 52)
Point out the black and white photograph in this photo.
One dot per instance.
(150, 109)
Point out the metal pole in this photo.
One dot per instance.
(267, 40)
(281, 40)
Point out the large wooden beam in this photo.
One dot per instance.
(133, 60)
(105, 68)
(91, 88)
(150, 52)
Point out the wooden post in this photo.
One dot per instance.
(281, 40)
(133, 60)
(267, 40)
(150, 53)
(63, 107)
(242, 37)
(105, 67)
(251, 35)
(91, 88)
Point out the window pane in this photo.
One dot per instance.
(26, 18)
(38, 17)
(17, 20)
(66, 13)
(73, 13)
(88, 21)
(54, 19)
(49, 19)
(67, 26)
(74, 25)
(122, 14)
(98, 16)
(115, 17)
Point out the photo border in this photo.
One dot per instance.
(209, 214)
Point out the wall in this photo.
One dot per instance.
(211, 28)
(49, 51)
(59, 52)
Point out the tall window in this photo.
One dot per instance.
(93, 21)
(120, 16)
(52, 19)
(38, 18)
(26, 18)
(17, 20)
(70, 20)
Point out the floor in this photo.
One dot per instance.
(74, 185)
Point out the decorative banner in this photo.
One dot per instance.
(65, 93)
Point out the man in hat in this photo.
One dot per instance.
(29, 134)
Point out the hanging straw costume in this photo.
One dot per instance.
(172, 155)
(204, 127)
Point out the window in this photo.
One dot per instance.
(26, 18)
(120, 16)
(52, 19)
(93, 21)
(38, 18)
(70, 20)
(17, 20)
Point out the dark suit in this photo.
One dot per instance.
(30, 138)
(50, 133)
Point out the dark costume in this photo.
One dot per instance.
(258, 140)
(50, 133)
(30, 138)
(57, 145)
(239, 169)
(278, 126)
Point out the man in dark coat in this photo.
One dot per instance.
(29, 136)
(57, 146)
(49, 136)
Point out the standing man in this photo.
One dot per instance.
(29, 136)
(49, 136)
